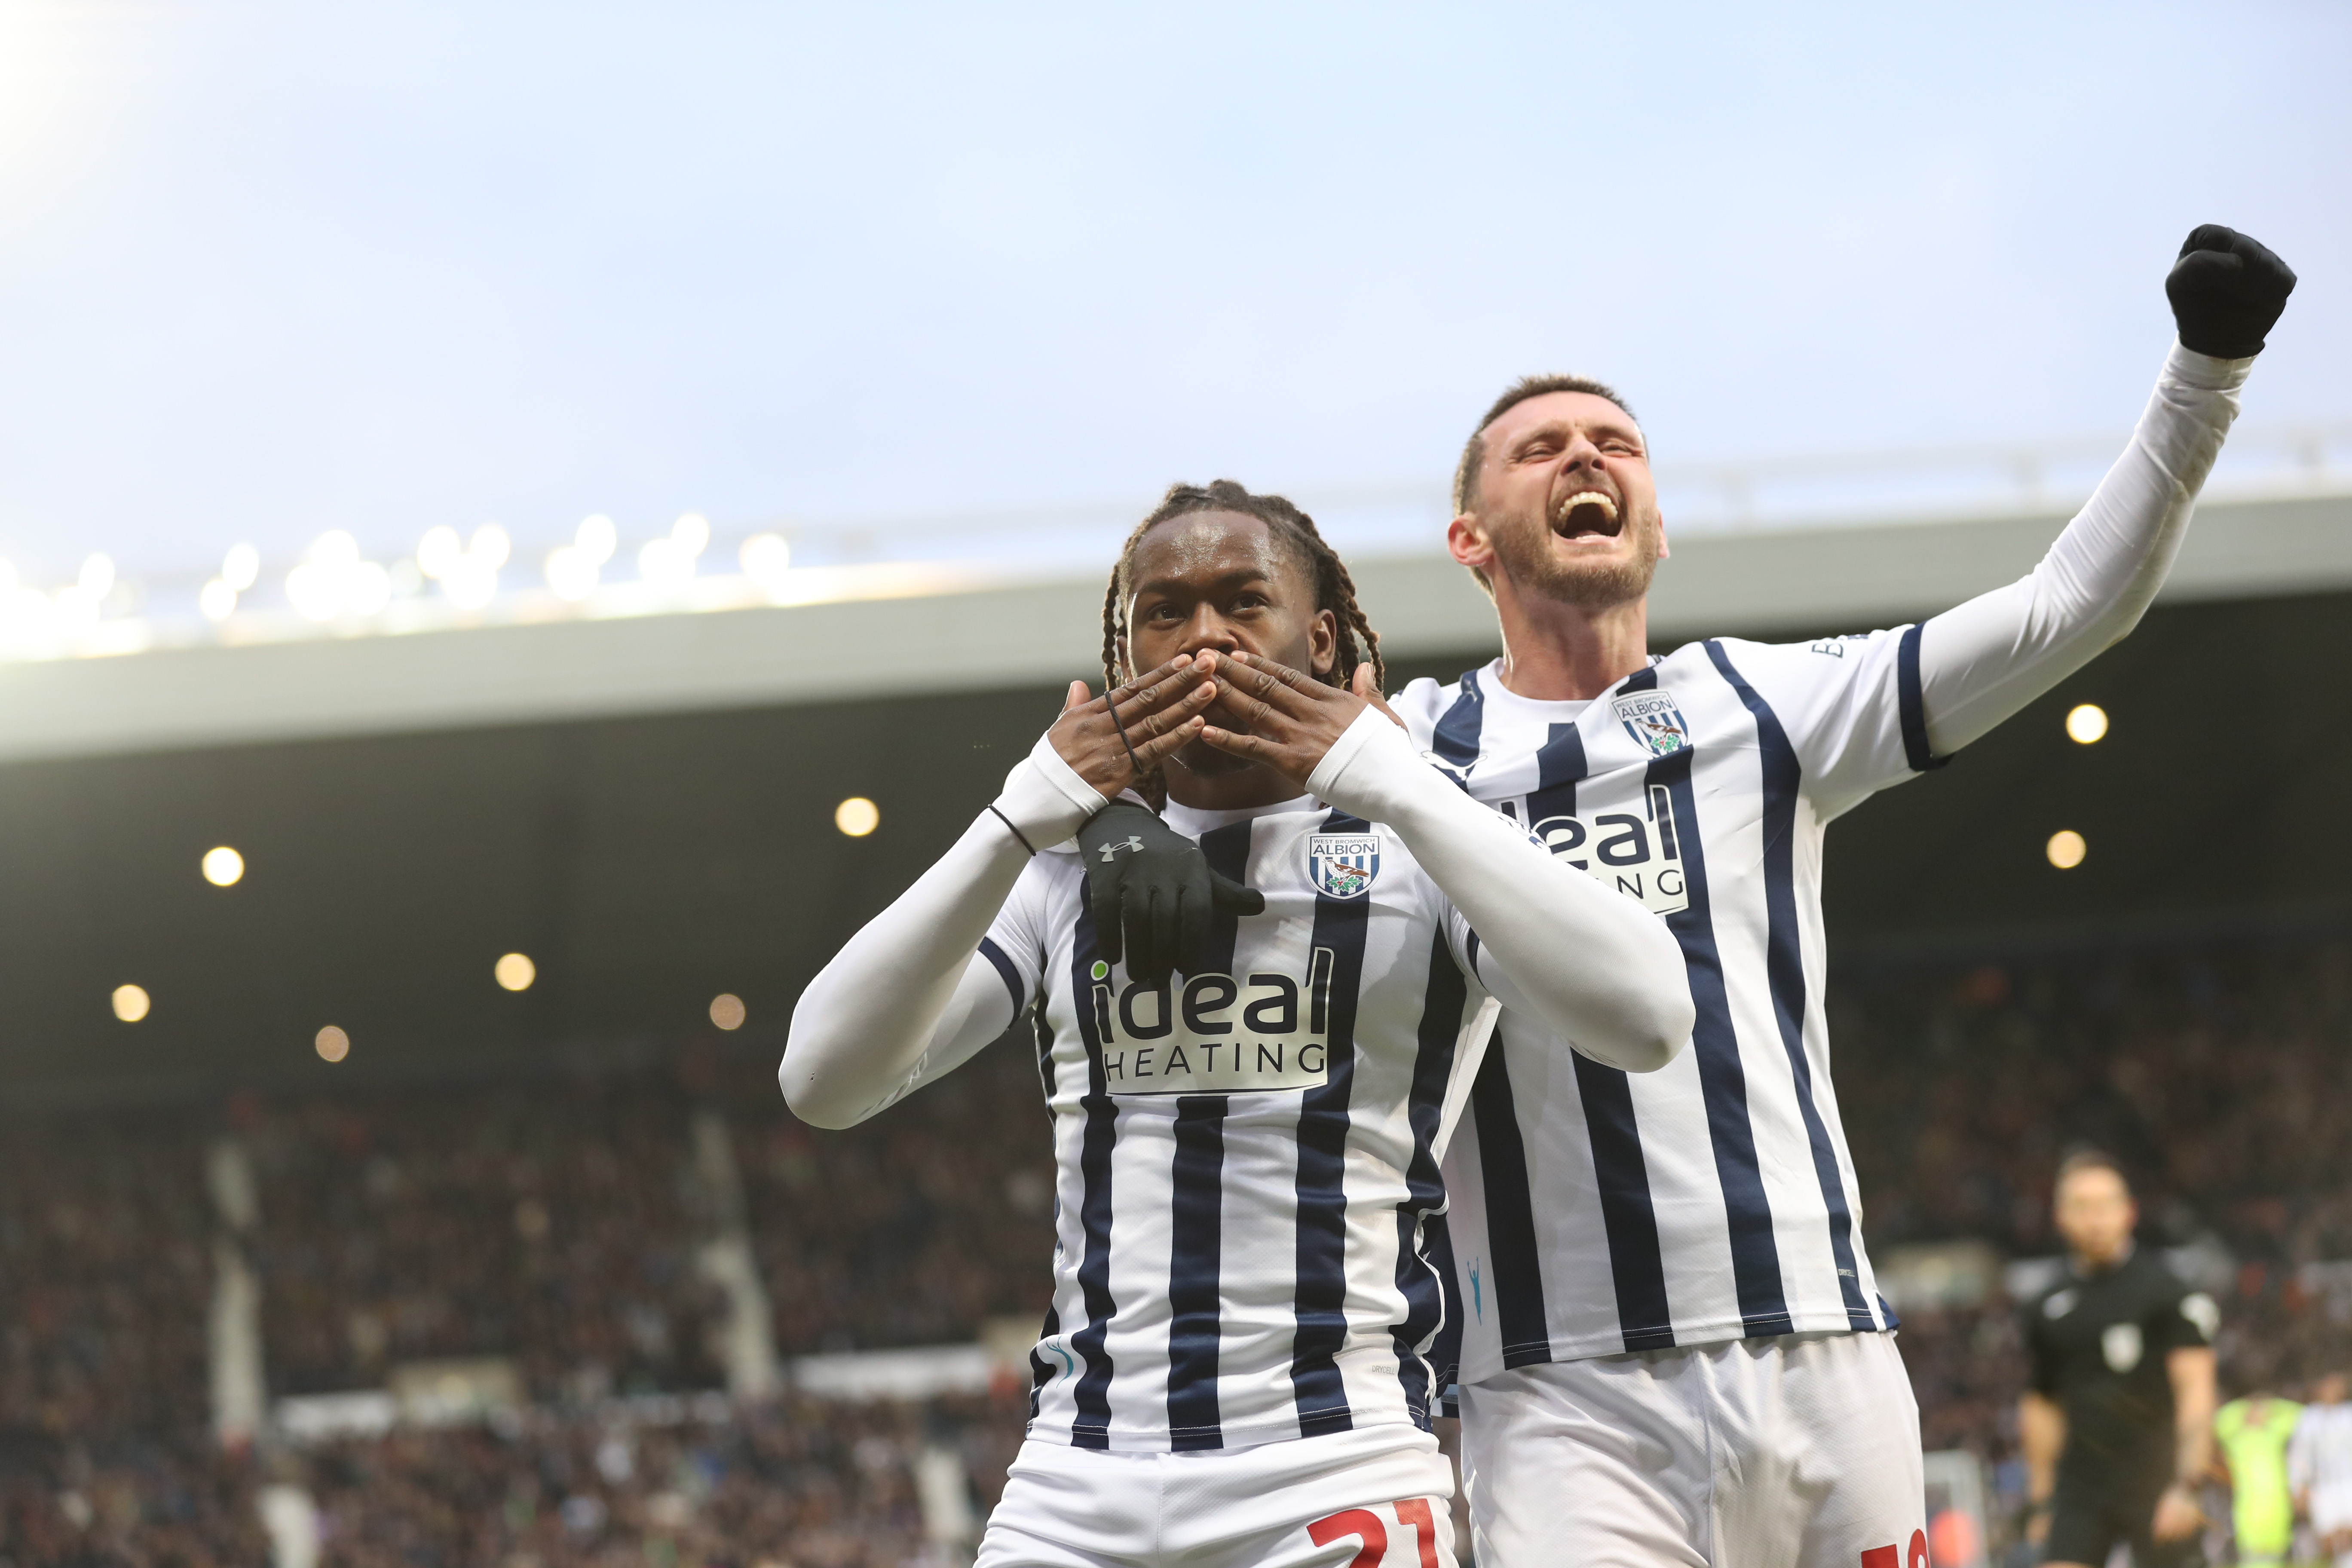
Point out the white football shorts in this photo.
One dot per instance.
(1378, 1498)
(1796, 1452)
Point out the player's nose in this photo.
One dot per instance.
(1210, 633)
(1581, 453)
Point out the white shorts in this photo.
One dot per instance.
(1798, 1452)
(1372, 1498)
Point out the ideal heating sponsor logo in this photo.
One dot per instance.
(1639, 853)
(1215, 1034)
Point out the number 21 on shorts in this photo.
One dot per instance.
(1372, 1533)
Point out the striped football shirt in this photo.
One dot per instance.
(1249, 1244)
(1596, 1212)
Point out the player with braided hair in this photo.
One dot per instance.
(1153, 894)
(1248, 1267)
(1335, 589)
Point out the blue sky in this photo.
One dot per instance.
(268, 268)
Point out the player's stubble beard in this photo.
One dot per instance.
(1524, 551)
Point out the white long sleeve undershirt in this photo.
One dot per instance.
(1981, 661)
(908, 998)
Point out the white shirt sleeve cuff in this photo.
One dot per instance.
(1044, 797)
(2204, 372)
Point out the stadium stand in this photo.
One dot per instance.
(552, 1222)
(2216, 1070)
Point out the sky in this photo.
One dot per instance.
(268, 269)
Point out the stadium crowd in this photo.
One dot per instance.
(2218, 1074)
(556, 1223)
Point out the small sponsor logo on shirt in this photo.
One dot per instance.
(1638, 854)
(1217, 1034)
(1651, 718)
(1343, 865)
(2200, 1310)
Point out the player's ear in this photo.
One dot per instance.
(1466, 542)
(1323, 643)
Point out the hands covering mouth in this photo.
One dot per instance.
(1587, 514)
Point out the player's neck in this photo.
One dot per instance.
(1555, 652)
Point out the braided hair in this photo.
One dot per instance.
(1334, 590)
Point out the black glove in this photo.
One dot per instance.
(2227, 292)
(1152, 892)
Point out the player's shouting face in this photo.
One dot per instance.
(1560, 504)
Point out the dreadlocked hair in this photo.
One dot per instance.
(1334, 590)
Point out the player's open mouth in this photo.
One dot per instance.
(1587, 514)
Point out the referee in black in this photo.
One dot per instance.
(2118, 1427)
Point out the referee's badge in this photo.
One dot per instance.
(2121, 1345)
(1342, 865)
(1651, 718)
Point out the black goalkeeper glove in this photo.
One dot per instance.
(2227, 292)
(1153, 892)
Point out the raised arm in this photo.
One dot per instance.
(1984, 660)
(911, 995)
(1592, 964)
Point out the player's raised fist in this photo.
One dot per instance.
(2227, 291)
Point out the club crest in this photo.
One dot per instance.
(1651, 718)
(1342, 865)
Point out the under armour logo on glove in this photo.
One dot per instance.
(1153, 896)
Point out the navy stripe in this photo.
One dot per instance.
(1910, 704)
(1723, 1080)
(1196, 1230)
(1784, 966)
(1455, 739)
(1510, 1216)
(1636, 1265)
(1420, 1274)
(1621, 1175)
(1886, 1314)
(1323, 1121)
(1197, 1177)
(1045, 1058)
(995, 955)
(1560, 764)
(1090, 1429)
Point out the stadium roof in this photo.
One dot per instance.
(889, 630)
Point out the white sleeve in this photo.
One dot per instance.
(925, 983)
(1596, 967)
(1981, 661)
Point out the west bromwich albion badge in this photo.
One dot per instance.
(1342, 865)
(1651, 718)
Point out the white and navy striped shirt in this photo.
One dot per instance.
(1596, 1212)
(1247, 1241)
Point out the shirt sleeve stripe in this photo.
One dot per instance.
(995, 955)
(1912, 704)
